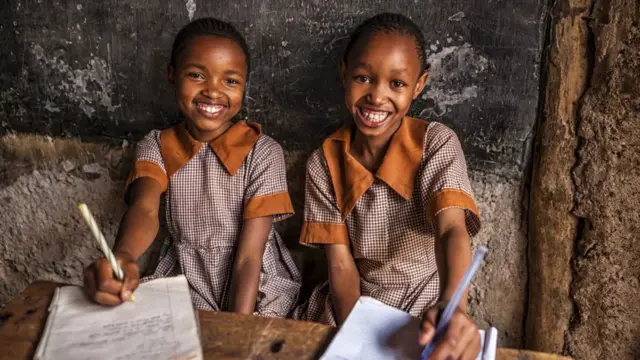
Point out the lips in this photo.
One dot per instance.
(209, 109)
(372, 118)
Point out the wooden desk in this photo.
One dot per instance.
(224, 335)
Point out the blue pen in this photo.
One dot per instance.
(478, 257)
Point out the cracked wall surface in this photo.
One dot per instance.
(606, 284)
(553, 226)
(583, 251)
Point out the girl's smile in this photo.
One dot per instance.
(209, 79)
(382, 75)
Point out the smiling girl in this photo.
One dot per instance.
(388, 196)
(224, 184)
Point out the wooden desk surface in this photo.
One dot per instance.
(224, 335)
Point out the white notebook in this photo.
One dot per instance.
(160, 324)
(374, 330)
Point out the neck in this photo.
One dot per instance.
(370, 150)
(207, 136)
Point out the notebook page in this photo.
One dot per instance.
(374, 330)
(161, 324)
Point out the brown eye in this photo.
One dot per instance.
(362, 79)
(195, 75)
(398, 84)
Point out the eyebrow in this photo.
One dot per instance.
(399, 71)
(234, 72)
(201, 67)
(204, 68)
(363, 65)
(368, 67)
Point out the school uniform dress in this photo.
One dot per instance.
(210, 189)
(386, 217)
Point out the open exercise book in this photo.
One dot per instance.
(160, 324)
(374, 330)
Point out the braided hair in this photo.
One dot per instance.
(207, 26)
(389, 23)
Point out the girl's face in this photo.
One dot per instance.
(209, 80)
(381, 78)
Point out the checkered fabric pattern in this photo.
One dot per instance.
(391, 239)
(204, 213)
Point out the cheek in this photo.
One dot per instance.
(351, 95)
(186, 90)
(235, 97)
(404, 100)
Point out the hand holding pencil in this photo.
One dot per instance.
(112, 279)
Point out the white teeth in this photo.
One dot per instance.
(212, 109)
(374, 116)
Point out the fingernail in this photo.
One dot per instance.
(126, 295)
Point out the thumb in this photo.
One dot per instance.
(131, 280)
(428, 326)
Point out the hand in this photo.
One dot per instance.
(101, 285)
(461, 341)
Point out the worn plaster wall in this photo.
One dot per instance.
(583, 254)
(606, 321)
(88, 76)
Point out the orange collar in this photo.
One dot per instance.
(232, 147)
(398, 170)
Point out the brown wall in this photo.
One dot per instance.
(584, 249)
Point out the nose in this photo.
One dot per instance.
(211, 89)
(377, 95)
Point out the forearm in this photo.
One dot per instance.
(138, 229)
(345, 291)
(453, 256)
(245, 279)
(245, 275)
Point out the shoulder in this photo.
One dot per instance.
(439, 135)
(266, 142)
(437, 130)
(266, 146)
(150, 141)
(152, 135)
(316, 160)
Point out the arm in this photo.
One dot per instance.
(140, 223)
(245, 275)
(453, 256)
(344, 280)
(453, 252)
(138, 229)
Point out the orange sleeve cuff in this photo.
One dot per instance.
(145, 168)
(323, 233)
(450, 198)
(271, 204)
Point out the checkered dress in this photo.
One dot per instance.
(206, 203)
(388, 223)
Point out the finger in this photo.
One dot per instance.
(89, 275)
(468, 338)
(131, 280)
(427, 332)
(472, 349)
(428, 327)
(443, 351)
(450, 341)
(455, 329)
(105, 298)
(105, 281)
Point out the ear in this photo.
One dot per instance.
(343, 71)
(171, 74)
(422, 81)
